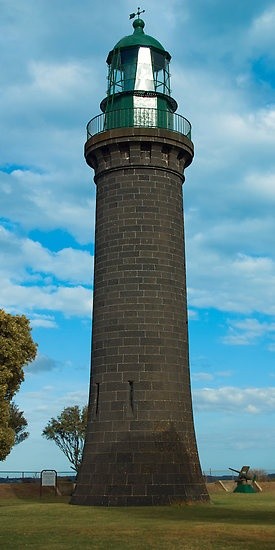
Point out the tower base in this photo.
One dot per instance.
(152, 469)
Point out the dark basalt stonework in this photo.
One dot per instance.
(140, 447)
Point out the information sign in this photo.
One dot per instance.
(48, 478)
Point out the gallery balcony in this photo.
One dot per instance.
(139, 117)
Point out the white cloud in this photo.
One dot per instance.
(192, 315)
(47, 403)
(57, 80)
(68, 264)
(235, 400)
(202, 376)
(43, 321)
(251, 409)
(50, 200)
(24, 259)
(236, 283)
(34, 278)
(248, 332)
(261, 185)
(70, 301)
(249, 129)
(261, 33)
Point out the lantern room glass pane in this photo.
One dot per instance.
(115, 77)
(161, 72)
(129, 59)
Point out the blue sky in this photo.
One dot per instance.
(52, 80)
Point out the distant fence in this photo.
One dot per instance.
(211, 476)
(25, 476)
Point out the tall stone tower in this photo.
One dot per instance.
(140, 447)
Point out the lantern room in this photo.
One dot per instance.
(139, 92)
(139, 80)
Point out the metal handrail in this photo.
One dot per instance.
(138, 117)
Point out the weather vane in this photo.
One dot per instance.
(139, 12)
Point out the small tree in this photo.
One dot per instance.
(260, 475)
(68, 431)
(17, 349)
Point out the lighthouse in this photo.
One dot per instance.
(140, 445)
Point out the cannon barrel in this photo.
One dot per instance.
(233, 470)
(243, 473)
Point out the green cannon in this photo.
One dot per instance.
(244, 480)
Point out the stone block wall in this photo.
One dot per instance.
(140, 447)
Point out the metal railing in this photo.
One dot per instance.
(139, 117)
(16, 476)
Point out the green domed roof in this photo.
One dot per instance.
(139, 38)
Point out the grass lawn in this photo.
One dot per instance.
(231, 521)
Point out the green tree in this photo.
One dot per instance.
(18, 423)
(68, 431)
(17, 349)
(7, 434)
